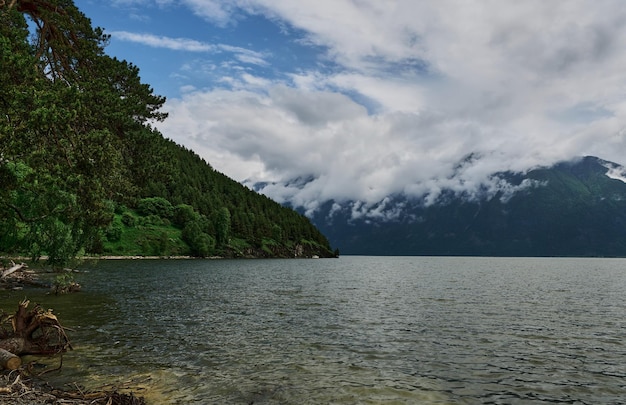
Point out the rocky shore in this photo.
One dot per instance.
(17, 387)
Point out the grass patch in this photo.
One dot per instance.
(133, 235)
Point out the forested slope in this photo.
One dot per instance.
(82, 170)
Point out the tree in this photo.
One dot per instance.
(199, 242)
(183, 214)
(156, 206)
(222, 226)
(70, 117)
(76, 134)
(277, 233)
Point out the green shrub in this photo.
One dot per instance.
(155, 206)
(183, 214)
(120, 209)
(129, 219)
(200, 243)
(64, 283)
(114, 232)
(153, 220)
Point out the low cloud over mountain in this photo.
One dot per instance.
(382, 99)
(574, 208)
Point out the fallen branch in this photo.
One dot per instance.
(13, 269)
(15, 389)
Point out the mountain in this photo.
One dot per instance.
(205, 213)
(574, 208)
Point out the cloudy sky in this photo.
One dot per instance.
(364, 98)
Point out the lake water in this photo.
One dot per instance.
(354, 330)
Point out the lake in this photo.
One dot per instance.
(354, 330)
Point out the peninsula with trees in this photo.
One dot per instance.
(84, 172)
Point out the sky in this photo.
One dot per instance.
(355, 100)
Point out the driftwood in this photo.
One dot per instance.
(33, 331)
(17, 276)
(9, 361)
(38, 331)
(15, 389)
(12, 269)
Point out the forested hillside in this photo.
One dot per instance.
(82, 170)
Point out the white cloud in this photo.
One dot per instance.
(246, 55)
(616, 172)
(216, 11)
(156, 41)
(287, 133)
(418, 86)
(243, 55)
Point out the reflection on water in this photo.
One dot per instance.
(353, 330)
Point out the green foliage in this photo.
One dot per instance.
(222, 226)
(199, 242)
(183, 214)
(153, 220)
(64, 283)
(145, 239)
(156, 206)
(128, 219)
(114, 232)
(63, 280)
(277, 233)
(164, 244)
(71, 119)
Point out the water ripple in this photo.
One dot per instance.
(356, 330)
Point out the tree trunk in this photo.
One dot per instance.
(15, 345)
(9, 361)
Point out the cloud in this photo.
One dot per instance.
(216, 11)
(155, 41)
(190, 45)
(416, 87)
(287, 133)
(616, 172)
(246, 55)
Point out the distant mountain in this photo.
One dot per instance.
(575, 208)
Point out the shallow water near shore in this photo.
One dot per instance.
(392, 330)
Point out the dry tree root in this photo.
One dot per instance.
(38, 332)
(35, 331)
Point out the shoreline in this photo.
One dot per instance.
(112, 257)
(17, 388)
(140, 257)
(18, 384)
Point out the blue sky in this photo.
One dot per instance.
(370, 98)
(175, 48)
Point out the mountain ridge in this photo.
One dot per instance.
(573, 208)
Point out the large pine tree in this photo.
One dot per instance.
(71, 117)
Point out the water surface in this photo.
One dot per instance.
(390, 330)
